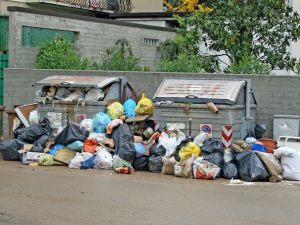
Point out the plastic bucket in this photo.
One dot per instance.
(269, 143)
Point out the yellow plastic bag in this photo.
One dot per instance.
(115, 110)
(189, 149)
(144, 106)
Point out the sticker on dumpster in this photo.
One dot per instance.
(227, 134)
(206, 128)
(180, 126)
(55, 119)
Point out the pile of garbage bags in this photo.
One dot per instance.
(109, 141)
(104, 141)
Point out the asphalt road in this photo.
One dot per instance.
(59, 196)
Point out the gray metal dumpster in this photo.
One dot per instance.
(184, 101)
(61, 112)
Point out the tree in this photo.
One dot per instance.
(263, 29)
(185, 6)
(120, 57)
(60, 54)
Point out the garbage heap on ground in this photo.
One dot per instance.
(125, 139)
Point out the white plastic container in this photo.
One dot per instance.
(285, 125)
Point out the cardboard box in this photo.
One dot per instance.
(24, 111)
(29, 157)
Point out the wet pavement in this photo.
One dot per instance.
(59, 196)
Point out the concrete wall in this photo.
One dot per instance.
(93, 35)
(6, 3)
(274, 94)
(147, 5)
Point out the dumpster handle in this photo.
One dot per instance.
(191, 96)
(65, 83)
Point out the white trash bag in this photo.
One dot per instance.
(205, 170)
(79, 158)
(103, 159)
(87, 124)
(34, 118)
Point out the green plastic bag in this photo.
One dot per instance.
(46, 160)
(115, 110)
(144, 106)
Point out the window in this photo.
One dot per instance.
(151, 42)
(34, 36)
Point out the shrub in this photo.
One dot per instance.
(60, 54)
(120, 58)
(248, 65)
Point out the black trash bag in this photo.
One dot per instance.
(20, 129)
(157, 151)
(9, 149)
(257, 132)
(42, 141)
(70, 134)
(215, 158)
(140, 163)
(155, 164)
(40, 144)
(182, 144)
(211, 146)
(150, 123)
(31, 134)
(39, 149)
(250, 167)
(123, 139)
(230, 171)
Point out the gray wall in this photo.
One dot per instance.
(274, 94)
(94, 35)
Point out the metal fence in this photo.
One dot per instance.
(113, 5)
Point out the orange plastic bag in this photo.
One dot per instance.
(90, 145)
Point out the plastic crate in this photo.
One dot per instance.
(289, 141)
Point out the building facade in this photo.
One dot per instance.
(92, 36)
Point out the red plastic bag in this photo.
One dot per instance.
(90, 145)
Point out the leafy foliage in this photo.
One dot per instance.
(248, 65)
(185, 6)
(182, 55)
(120, 58)
(260, 28)
(60, 54)
(181, 63)
(297, 68)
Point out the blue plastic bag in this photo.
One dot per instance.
(88, 164)
(129, 107)
(55, 149)
(100, 121)
(76, 146)
(258, 147)
(140, 149)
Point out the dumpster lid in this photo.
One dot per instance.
(78, 81)
(199, 91)
(284, 116)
